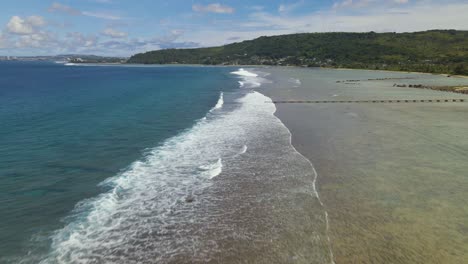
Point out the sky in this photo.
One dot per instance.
(126, 27)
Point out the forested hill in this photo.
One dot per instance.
(437, 51)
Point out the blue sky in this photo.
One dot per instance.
(124, 27)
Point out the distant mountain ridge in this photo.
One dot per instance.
(434, 51)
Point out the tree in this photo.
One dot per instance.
(460, 69)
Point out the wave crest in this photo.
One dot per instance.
(220, 102)
(249, 79)
(212, 170)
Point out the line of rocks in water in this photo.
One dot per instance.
(376, 79)
(371, 101)
(453, 89)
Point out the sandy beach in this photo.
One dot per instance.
(392, 177)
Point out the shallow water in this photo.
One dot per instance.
(392, 176)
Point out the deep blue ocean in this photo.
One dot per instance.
(65, 129)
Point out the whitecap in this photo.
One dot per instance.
(243, 72)
(220, 102)
(296, 82)
(244, 150)
(249, 79)
(212, 170)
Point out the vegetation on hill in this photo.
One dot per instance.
(435, 51)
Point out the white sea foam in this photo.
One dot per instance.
(243, 72)
(352, 114)
(296, 82)
(244, 150)
(249, 79)
(87, 64)
(220, 102)
(212, 170)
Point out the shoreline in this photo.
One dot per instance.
(269, 66)
(316, 177)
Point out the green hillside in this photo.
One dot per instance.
(436, 51)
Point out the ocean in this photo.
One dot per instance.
(151, 164)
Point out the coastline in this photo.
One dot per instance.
(269, 66)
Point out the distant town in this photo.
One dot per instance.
(67, 58)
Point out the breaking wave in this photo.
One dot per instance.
(244, 150)
(212, 170)
(129, 222)
(296, 82)
(220, 102)
(249, 79)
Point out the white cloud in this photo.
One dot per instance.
(125, 47)
(113, 33)
(344, 3)
(357, 3)
(57, 7)
(36, 40)
(36, 21)
(4, 43)
(213, 8)
(284, 8)
(256, 8)
(30, 35)
(17, 25)
(78, 41)
(101, 15)
(380, 18)
(29, 25)
(365, 3)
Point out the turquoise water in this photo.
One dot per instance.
(164, 164)
(66, 129)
